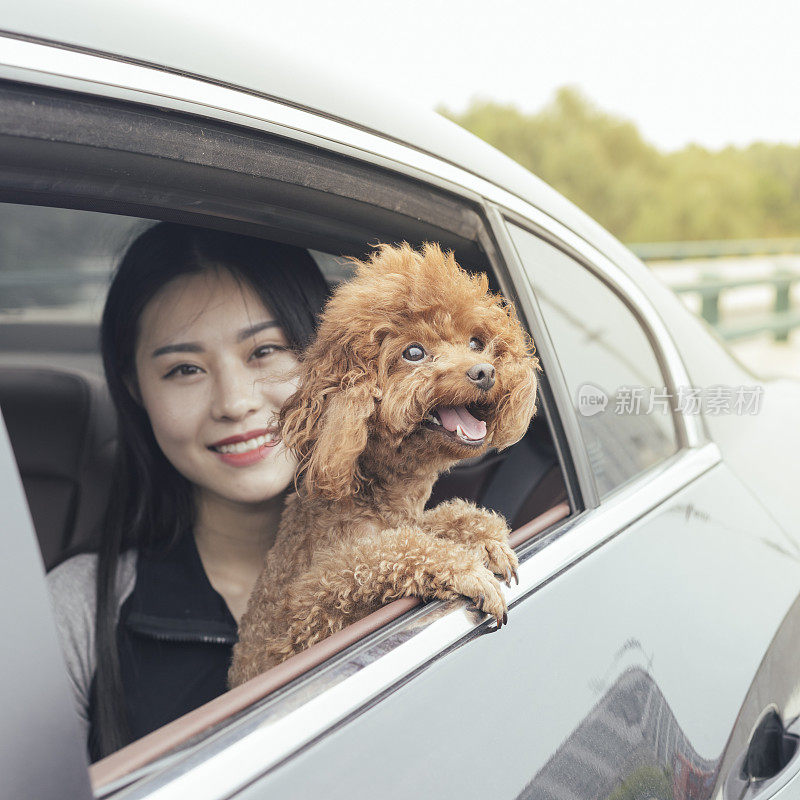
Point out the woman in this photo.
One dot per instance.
(200, 336)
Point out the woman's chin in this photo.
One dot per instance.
(248, 493)
(259, 481)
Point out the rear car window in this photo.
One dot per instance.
(614, 380)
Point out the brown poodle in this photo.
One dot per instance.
(415, 367)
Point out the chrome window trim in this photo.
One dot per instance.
(688, 429)
(280, 727)
(48, 65)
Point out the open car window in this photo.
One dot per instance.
(56, 273)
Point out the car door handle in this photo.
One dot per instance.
(771, 761)
(771, 749)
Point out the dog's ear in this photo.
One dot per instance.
(327, 427)
(516, 409)
(342, 434)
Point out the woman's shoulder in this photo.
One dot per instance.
(73, 575)
(72, 594)
(73, 582)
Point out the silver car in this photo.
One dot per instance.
(653, 641)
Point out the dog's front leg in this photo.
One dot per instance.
(476, 528)
(351, 579)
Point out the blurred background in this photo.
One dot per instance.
(721, 226)
(676, 126)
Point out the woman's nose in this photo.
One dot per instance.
(236, 395)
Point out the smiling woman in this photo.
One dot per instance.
(200, 337)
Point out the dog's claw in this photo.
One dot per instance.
(505, 618)
(516, 576)
(481, 601)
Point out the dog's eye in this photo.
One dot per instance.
(476, 344)
(414, 352)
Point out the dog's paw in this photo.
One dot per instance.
(501, 560)
(480, 586)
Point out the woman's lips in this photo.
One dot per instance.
(246, 437)
(247, 448)
(248, 458)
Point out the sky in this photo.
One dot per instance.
(712, 72)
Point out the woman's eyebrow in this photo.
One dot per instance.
(184, 347)
(254, 329)
(193, 347)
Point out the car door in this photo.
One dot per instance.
(636, 631)
(42, 756)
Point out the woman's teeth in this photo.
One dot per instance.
(250, 444)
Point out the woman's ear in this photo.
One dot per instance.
(132, 385)
(328, 429)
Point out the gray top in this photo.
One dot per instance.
(72, 592)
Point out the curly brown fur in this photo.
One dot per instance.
(356, 534)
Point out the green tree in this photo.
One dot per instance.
(603, 164)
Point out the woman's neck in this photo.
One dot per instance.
(233, 539)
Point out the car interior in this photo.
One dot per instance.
(63, 430)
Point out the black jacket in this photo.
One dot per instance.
(175, 636)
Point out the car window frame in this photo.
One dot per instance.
(689, 429)
(446, 628)
(636, 316)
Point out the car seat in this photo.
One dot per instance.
(62, 428)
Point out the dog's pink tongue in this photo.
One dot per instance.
(453, 416)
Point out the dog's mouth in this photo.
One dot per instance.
(461, 423)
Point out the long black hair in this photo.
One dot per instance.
(151, 503)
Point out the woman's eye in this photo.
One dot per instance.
(265, 350)
(476, 344)
(184, 369)
(414, 352)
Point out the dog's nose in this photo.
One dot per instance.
(482, 375)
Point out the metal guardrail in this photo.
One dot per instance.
(779, 322)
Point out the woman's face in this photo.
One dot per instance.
(213, 370)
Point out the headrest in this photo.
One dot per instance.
(62, 428)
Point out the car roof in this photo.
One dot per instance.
(161, 35)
